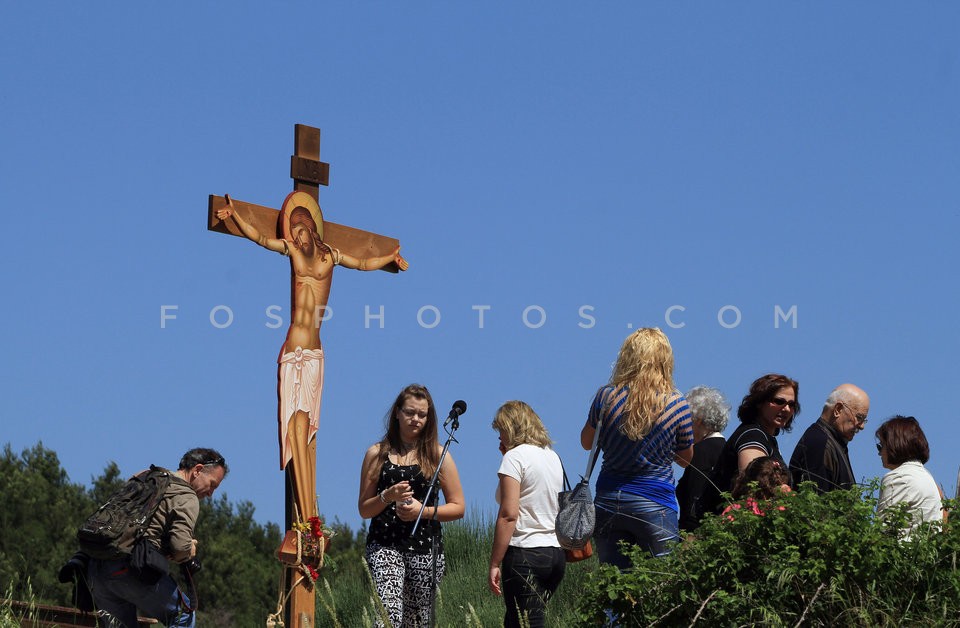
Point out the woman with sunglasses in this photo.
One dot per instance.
(767, 409)
(393, 483)
(903, 448)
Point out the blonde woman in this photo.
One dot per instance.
(645, 427)
(526, 564)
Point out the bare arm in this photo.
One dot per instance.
(684, 428)
(506, 524)
(373, 263)
(370, 504)
(586, 435)
(248, 230)
(747, 455)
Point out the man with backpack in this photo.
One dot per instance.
(155, 512)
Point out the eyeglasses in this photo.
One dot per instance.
(410, 413)
(879, 447)
(219, 462)
(780, 401)
(859, 416)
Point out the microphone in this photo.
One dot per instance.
(459, 407)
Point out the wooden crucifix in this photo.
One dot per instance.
(314, 247)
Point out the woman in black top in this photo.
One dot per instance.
(769, 407)
(393, 481)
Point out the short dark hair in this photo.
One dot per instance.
(206, 457)
(903, 439)
(766, 473)
(762, 390)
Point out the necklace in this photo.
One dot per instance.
(403, 453)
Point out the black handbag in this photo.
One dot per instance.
(147, 562)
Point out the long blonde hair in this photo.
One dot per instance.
(520, 425)
(645, 367)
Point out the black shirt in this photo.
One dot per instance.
(695, 479)
(821, 456)
(387, 529)
(747, 435)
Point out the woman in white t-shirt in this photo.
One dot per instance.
(903, 448)
(527, 563)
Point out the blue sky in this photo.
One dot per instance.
(628, 157)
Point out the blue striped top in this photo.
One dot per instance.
(640, 467)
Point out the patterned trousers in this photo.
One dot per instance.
(403, 580)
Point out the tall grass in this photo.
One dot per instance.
(346, 597)
(10, 616)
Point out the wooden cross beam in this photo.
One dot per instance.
(308, 174)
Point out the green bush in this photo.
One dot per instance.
(39, 518)
(822, 560)
(238, 583)
(810, 560)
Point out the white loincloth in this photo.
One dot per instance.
(301, 386)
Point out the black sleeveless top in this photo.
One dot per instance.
(388, 530)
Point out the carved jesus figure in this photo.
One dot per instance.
(301, 358)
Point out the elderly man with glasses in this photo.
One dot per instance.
(821, 453)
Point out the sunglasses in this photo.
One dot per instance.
(879, 447)
(780, 401)
(217, 462)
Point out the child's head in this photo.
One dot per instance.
(768, 474)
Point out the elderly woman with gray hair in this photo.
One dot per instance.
(710, 412)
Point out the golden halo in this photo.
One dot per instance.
(300, 199)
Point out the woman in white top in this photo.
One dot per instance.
(526, 564)
(903, 448)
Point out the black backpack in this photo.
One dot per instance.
(112, 531)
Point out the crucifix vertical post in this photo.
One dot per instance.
(308, 174)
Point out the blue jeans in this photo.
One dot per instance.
(634, 519)
(530, 576)
(119, 592)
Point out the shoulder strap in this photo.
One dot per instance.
(592, 458)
